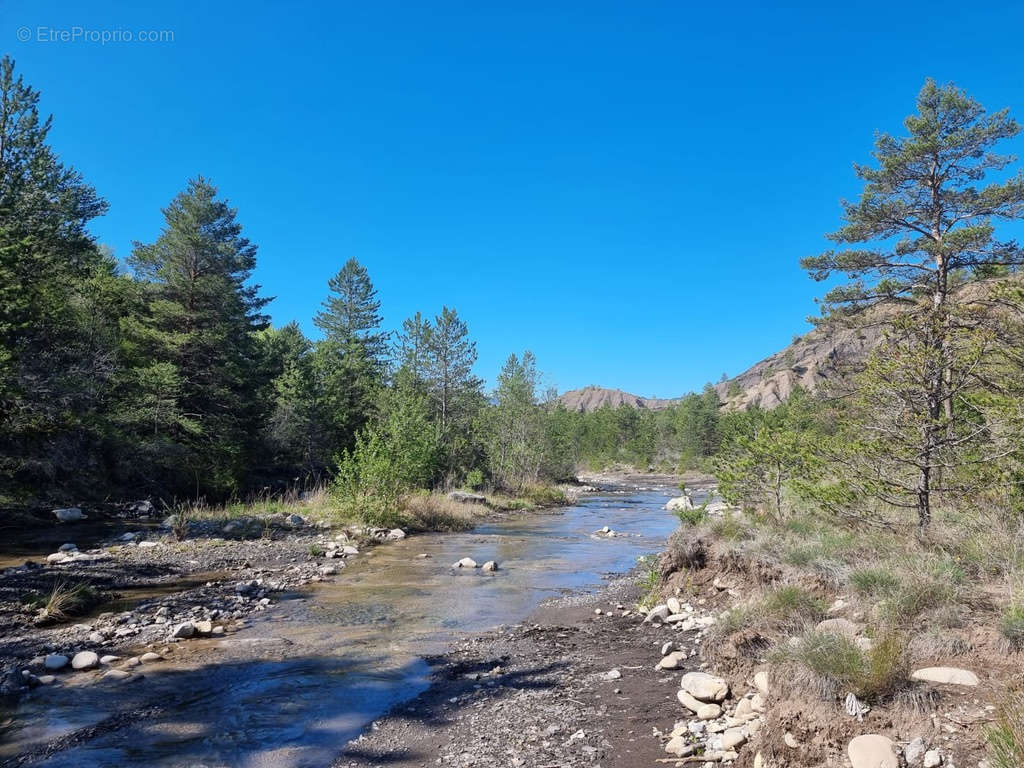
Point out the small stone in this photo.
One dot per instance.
(96, 637)
(109, 659)
(790, 740)
(148, 658)
(46, 679)
(204, 627)
(932, 758)
(673, 605)
(658, 612)
(294, 521)
(490, 565)
(466, 562)
(69, 547)
(184, 630)
(680, 747)
(610, 675)
(396, 534)
(839, 626)
(116, 674)
(872, 751)
(55, 661)
(85, 660)
(70, 515)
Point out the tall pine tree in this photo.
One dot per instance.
(195, 349)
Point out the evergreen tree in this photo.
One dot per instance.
(515, 449)
(57, 342)
(198, 342)
(412, 347)
(456, 394)
(349, 361)
(925, 222)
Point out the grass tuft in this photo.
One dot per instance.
(876, 581)
(1006, 737)
(1011, 625)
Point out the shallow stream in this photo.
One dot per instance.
(311, 673)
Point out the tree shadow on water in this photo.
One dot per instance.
(287, 712)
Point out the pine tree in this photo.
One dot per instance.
(456, 394)
(515, 450)
(927, 225)
(351, 313)
(197, 341)
(56, 340)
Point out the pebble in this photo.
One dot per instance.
(872, 751)
(55, 661)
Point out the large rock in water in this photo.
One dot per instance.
(704, 687)
(679, 504)
(872, 751)
(69, 515)
(466, 562)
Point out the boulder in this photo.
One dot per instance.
(932, 758)
(872, 751)
(680, 746)
(69, 515)
(688, 701)
(467, 498)
(109, 659)
(85, 660)
(55, 661)
(396, 534)
(294, 521)
(348, 549)
(204, 627)
(733, 737)
(466, 562)
(490, 565)
(59, 557)
(704, 687)
(945, 676)
(674, 606)
(184, 630)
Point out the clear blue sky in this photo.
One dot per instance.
(624, 188)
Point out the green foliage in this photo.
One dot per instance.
(693, 516)
(840, 666)
(474, 480)
(874, 581)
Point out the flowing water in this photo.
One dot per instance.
(310, 674)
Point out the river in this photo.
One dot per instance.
(312, 673)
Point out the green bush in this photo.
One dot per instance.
(692, 516)
(790, 602)
(474, 479)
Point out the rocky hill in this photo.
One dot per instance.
(810, 360)
(589, 399)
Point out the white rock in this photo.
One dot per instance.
(734, 737)
(667, 648)
(673, 660)
(659, 612)
(761, 682)
(148, 658)
(116, 674)
(872, 751)
(59, 557)
(703, 686)
(688, 701)
(679, 503)
(69, 515)
(914, 751)
(612, 674)
(708, 711)
(85, 660)
(46, 679)
(348, 549)
(674, 606)
(466, 562)
(55, 661)
(932, 758)
(204, 627)
(109, 659)
(396, 534)
(946, 676)
(680, 747)
(184, 630)
(490, 565)
(839, 626)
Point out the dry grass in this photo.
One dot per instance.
(63, 602)
(436, 512)
(1006, 737)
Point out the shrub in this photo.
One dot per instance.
(873, 581)
(840, 666)
(730, 528)
(692, 516)
(436, 512)
(1011, 625)
(315, 550)
(937, 586)
(474, 479)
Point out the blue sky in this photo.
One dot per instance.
(623, 188)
